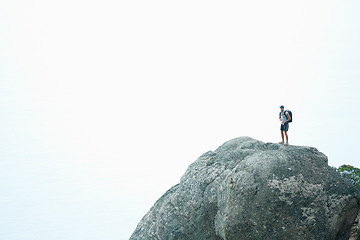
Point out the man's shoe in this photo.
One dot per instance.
(281, 142)
(286, 144)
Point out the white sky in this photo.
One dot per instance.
(130, 93)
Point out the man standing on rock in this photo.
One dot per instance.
(284, 118)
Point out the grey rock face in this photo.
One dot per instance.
(248, 189)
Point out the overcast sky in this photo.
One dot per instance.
(123, 95)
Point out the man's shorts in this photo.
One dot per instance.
(284, 127)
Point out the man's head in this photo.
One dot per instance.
(281, 108)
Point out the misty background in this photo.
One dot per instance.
(104, 104)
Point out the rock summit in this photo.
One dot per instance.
(248, 189)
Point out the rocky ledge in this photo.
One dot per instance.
(248, 189)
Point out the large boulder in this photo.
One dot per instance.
(248, 189)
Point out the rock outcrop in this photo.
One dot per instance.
(248, 189)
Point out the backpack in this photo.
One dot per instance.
(289, 112)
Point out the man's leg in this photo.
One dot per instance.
(282, 136)
(286, 128)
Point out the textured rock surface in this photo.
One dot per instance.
(248, 189)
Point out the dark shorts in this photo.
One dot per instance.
(284, 127)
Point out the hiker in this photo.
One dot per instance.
(284, 118)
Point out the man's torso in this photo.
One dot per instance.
(283, 116)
